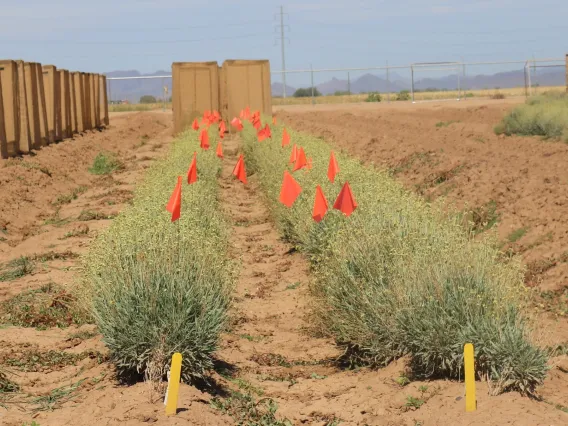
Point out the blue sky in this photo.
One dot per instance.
(148, 35)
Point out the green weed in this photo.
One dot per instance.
(105, 164)
(516, 235)
(67, 198)
(16, 268)
(246, 411)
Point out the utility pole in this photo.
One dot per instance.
(282, 40)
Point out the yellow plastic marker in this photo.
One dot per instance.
(173, 385)
(470, 401)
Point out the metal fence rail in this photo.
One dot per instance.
(529, 66)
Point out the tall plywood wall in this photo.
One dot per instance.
(246, 83)
(40, 105)
(205, 86)
(195, 89)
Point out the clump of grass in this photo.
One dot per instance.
(497, 95)
(7, 385)
(373, 97)
(403, 95)
(245, 410)
(402, 276)
(16, 268)
(34, 360)
(545, 115)
(155, 287)
(48, 306)
(105, 163)
(56, 397)
(445, 123)
(517, 234)
(67, 198)
(87, 215)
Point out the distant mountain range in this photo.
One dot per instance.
(132, 90)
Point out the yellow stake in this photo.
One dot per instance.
(173, 385)
(470, 401)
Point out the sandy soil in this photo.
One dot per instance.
(269, 352)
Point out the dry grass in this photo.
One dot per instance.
(418, 96)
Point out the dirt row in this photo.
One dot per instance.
(271, 365)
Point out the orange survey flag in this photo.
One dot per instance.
(294, 155)
(333, 168)
(290, 190)
(285, 138)
(239, 170)
(204, 139)
(237, 124)
(246, 113)
(301, 160)
(170, 205)
(174, 205)
(256, 123)
(320, 205)
(345, 201)
(267, 131)
(195, 125)
(192, 171)
(222, 127)
(219, 151)
(274, 120)
(215, 117)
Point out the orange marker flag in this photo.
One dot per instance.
(237, 124)
(170, 205)
(345, 201)
(192, 172)
(274, 120)
(261, 134)
(204, 139)
(290, 190)
(219, 150)
(239, 170)
(294, 155)
(222, 127)
(195, 125)
(333, 168)
(256, 123)
(301, 160)
(215, 117)
(174, 205)
(320, 205)
(267, 131)
(285, 138)
(247, 113)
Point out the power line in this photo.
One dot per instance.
(197, 40)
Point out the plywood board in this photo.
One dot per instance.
(246, 83)
(9, 103)
(195, 89)
(52, 102)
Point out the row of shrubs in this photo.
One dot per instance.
(545, 115)
(401, 276)
(155, 287)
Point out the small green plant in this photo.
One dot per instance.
(402, 380)
(245, 410)
(293, 286)
(517, 234)
(412, 402)
(317, 376)
(67, 198)
(403, 95)
(373, 97)
(247, 386)
(16, 268)
(87, 215)
(105, 164)
(445, 123)
(56, 397)
(7, 385)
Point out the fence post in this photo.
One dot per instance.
(567, 73)
(412, 78)
(388, 85)
(312, 74)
